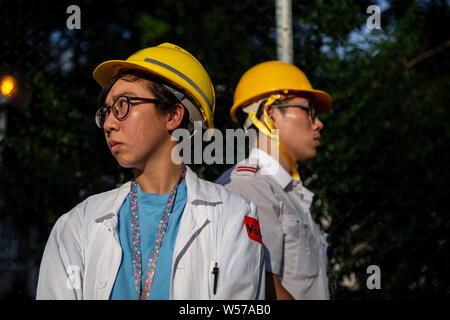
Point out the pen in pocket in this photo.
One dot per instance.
(215, 272)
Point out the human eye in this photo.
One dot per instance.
(121, 106)
(104, 111)
(122, 102)
(101, 115)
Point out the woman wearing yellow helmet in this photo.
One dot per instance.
(166, 234)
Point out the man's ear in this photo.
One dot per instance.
(175, 117)
(273, 114)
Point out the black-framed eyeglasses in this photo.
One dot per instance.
(307, 106)
(120, 107)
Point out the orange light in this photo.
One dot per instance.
(8, 86)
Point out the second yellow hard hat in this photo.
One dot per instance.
(270, 77)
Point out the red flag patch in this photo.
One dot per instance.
(253, 230)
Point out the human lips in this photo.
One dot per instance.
(114, 145)
(317, 139)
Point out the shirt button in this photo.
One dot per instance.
(102, 284)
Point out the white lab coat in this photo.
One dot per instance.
(83, 253)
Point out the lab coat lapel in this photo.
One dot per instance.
(195, 216)
(193, 219)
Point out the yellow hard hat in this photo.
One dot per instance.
(270, 77)
(180, 69)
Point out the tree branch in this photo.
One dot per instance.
(427, 54)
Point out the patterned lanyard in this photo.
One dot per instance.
(142, 291)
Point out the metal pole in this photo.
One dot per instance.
(283, 13)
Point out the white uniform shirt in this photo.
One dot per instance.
(83, 253)
(295, 248)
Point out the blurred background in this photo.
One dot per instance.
(380, 177)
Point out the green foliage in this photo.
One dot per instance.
(386, 159)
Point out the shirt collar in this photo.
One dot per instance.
(270, 166)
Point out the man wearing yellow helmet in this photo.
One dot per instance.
(166, 234)
(277, 99)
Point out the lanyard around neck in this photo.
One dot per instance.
(143, 289)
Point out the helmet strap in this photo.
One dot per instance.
(268, 131)
(194, 113)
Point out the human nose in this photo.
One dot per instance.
(318, 125)
(111, 123)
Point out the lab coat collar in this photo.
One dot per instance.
(197, 193)
(199, 190)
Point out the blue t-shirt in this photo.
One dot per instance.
(151, 207)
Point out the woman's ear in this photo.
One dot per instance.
(175, 117)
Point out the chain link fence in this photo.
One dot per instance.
(53, 66)
(28, 49)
